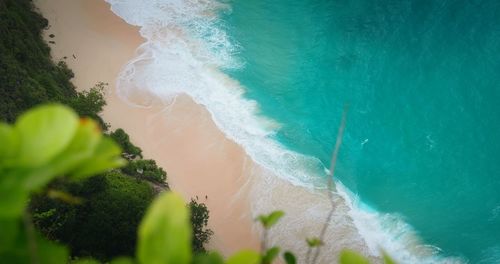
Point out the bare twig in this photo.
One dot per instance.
(331, 173)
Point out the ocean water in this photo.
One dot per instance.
(421, 80)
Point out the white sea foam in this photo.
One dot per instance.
(185, 50)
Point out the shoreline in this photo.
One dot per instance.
(181, 137)
(199, 158)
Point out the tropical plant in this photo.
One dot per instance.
(46, 142)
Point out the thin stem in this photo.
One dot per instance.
(331, 173)
(263, 246)
(31, 237)
(308, 254)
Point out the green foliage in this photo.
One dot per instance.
(289, 258)
(85, 261)
(244, 257)
(130, 151)
(387, 258)
(164, 234)
(49, 129)
(147, 170)
(122, 260)
(351, 257)
(28, 76)
(21, 249)
(199, 222)
(269, 220)
(270, 255)
(105, 224)
(209, 258)
(27, 165)
(65, 151)
(314, 242)
(90, 103)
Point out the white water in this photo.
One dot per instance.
(185, 50)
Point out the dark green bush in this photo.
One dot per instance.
(145, 169)
(28, 76)
(90, 103)
(199, 222)
(130, 151)
(105, 224)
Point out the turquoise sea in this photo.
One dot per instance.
(422, 81)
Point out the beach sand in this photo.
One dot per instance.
(182, 138)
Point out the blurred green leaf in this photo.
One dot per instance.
(274, 217)
(165, 232)
(387, 258)
(44, 132)
(270, 219)
(122, 260)
(9, 141)
(64, 196)
(51, 252)
(13, 197)
(85, 261)
(270, 255)
(210, 258)
(289, 258)
(86, 138)
(106, 156)
(9, 230)
(351, 257)
(244, 257)
(42, 252)
(314, 242)
(80, 150)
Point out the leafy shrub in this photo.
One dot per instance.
(199, 222)
(130, 151)
(90, 103)
(145, 169)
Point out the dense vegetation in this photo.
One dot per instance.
(27, 74)
(104, 220)
(145, 169)
(104, 223)
(130, 151)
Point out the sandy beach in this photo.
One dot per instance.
(182, 138)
